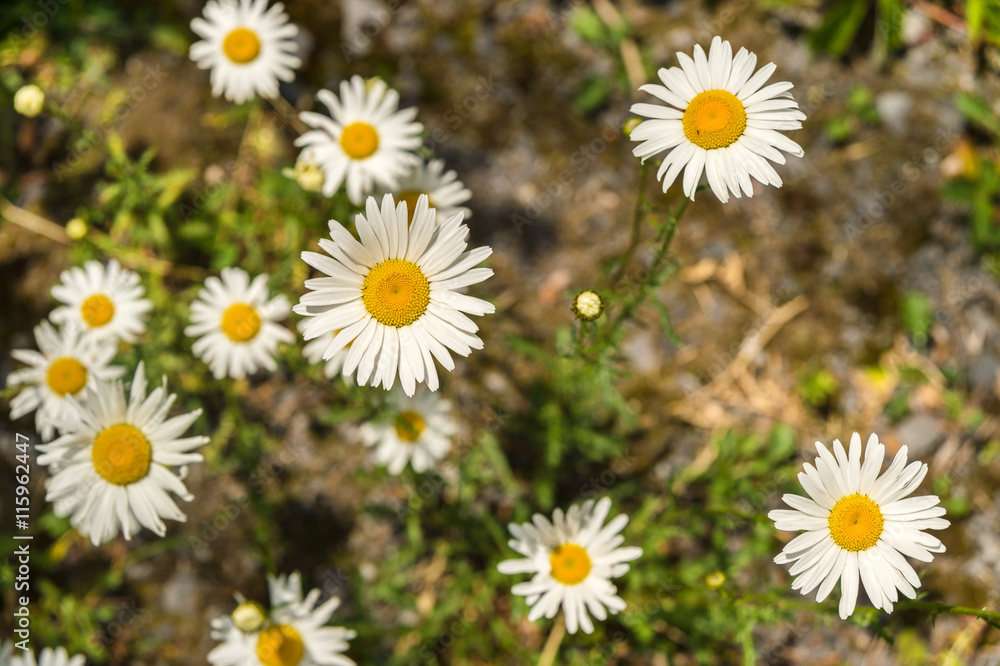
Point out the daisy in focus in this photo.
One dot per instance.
(111, 466)
(248, 47)
(291, 634)
(47, 657)
(443, 189)
(859, 525)
(419, 434)
(719, 119)
(573, 559)
(105, 301)
(65, 364)
(393, 295)
(368, 141)
(235, 322)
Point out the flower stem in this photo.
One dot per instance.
(637, 215)
(660, 264)
(553, 642)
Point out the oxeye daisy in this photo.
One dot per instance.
(443, 189)
(291, 634)
(47, 657)
(573, 559)
(247, 48)
(419, 432)
(105, 301)
(393, 294)
(235, 322)
(858, 524)
(367, 141)
(112, 465)
(64, 365)
(718, 119)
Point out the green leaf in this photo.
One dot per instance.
(977, 111)
(837, 31)
(917, 315)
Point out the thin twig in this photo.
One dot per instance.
(32, 222)
(288, 113)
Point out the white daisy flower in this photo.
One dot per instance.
(104, 301)
(235, 322)
(294, 634)
(718, 119)
(420, 432)
(367, 142)
(393, 295)
(47, 657)
(111, 467)
(573, 560)
(313, 351)
(443, 189)
(247, 48)
(858, 525)
(65, 365)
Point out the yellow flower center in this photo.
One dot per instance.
(97, 310)
(359, 140)
(66, 375)
(714, 119)
(396, 293)
(570, 564)
(410, 197)
(122, 454)
(280, 645)
(855, 523)
(241, 46)
(240, 323)
(409, 425)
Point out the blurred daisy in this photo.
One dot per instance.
(313, 351)
(292, 634)
(419, 433)
(111, 467)
(718, 119)
(247, 48)
(65, 364)
(573, 560)
(106, 301)
(47, 657)
(236, 324)
(443, 189)
(367, 142)
(858, 525)
(393, 295)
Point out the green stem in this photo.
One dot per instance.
(551, 648)
(659, 264)
(637, 215)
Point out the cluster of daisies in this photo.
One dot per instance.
(114, 460)
(391, 305)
